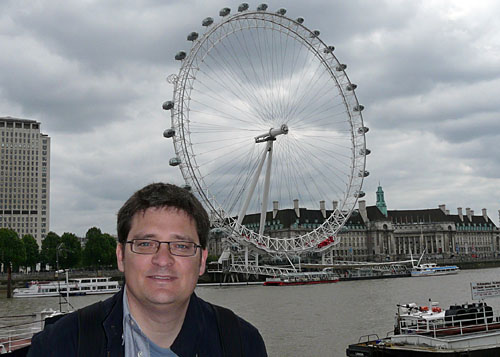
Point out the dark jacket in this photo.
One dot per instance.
(198, 336)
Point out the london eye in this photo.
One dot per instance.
(263, 114)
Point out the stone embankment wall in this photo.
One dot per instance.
(479, 264)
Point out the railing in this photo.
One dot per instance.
(13, 339)
(460, 323)
(368, 338)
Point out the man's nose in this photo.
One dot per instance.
(163, 257)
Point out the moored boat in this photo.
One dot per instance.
(305, 278)
(432, 269)
(16, 331)
(79, 286)
(461, 330)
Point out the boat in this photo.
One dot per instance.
(78, 286)
(470, 329)
(432, 269)
(16, 331)
(304, 278)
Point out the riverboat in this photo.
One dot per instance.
(305, 278)
(461, 330)
(432, 269)
(79, 286)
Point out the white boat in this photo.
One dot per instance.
(431, 269)
(18, 329)
(79, 286)
(471, 329)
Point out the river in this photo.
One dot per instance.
(315, 320)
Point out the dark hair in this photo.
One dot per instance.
(159, 195)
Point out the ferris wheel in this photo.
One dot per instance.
(264, 116)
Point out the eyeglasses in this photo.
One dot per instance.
(150, 246)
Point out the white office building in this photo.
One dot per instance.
(24, 177)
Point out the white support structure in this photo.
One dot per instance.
(265, 198)
(251, 189)
(266, 270)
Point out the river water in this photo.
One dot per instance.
(315, 320)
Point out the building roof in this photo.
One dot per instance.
(12, 120)
(288, 217)
(374, 214)
(417, 216)
(434, 215)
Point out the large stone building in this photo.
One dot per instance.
(24, 177)
(375, 233)
(396, 234)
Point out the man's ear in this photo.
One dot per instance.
(120, 256)
(204, 255)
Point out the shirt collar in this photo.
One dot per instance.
(135, 341)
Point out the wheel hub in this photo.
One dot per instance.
(272, 134)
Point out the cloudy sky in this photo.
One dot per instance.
(94, 74)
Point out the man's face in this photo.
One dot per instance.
(162, 278)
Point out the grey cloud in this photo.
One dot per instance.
(94, 74)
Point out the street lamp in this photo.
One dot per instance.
(58, 248)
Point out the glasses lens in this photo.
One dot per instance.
(184, 249)
(144, 246)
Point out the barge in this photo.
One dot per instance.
(426, 331)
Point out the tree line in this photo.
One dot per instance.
(63, 251)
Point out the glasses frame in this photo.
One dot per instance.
(196, 247)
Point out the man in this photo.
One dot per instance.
(162, 234)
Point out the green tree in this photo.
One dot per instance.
(110, 257)
(12, 253)
(70, 252)
(32, 251)
(99, 249)
(49, 249)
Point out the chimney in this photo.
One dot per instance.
(335, 205)
(443, 208)
(485, 214)
(296, 207)
(362, 210)
(468, 213)
(322, 208)
(472, 214)
(460, 214)
(275, 209)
